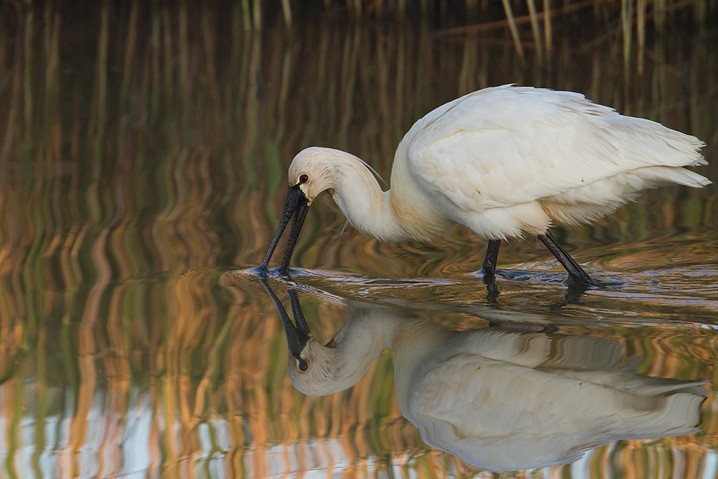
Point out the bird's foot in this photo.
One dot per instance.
(262, 271)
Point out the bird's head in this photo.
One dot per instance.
(308, 176)
(312, 171)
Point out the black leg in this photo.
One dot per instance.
(489, 269)
(575, 272)
(492, 256)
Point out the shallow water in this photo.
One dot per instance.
(142, 169)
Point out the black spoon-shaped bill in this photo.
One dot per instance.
(295, 201)
(299, 217)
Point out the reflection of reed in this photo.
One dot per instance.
(131, 171)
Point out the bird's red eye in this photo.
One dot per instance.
(303, 179)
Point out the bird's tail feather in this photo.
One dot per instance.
(661, 175)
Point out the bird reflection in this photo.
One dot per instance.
(499, 399)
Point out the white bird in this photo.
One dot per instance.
(500, 400)
(505, 162)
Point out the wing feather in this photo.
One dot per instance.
(506, 146)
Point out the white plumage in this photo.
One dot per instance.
(503, 400)
(504, 162)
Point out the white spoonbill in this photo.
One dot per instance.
(499, 399)
(505, 162)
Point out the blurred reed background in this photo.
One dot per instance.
(531, 23)
(143, 154)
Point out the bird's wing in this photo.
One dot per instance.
(505, 146)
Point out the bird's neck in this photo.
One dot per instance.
(369, 209)
(401, 213)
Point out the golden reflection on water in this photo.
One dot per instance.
(143, 162)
